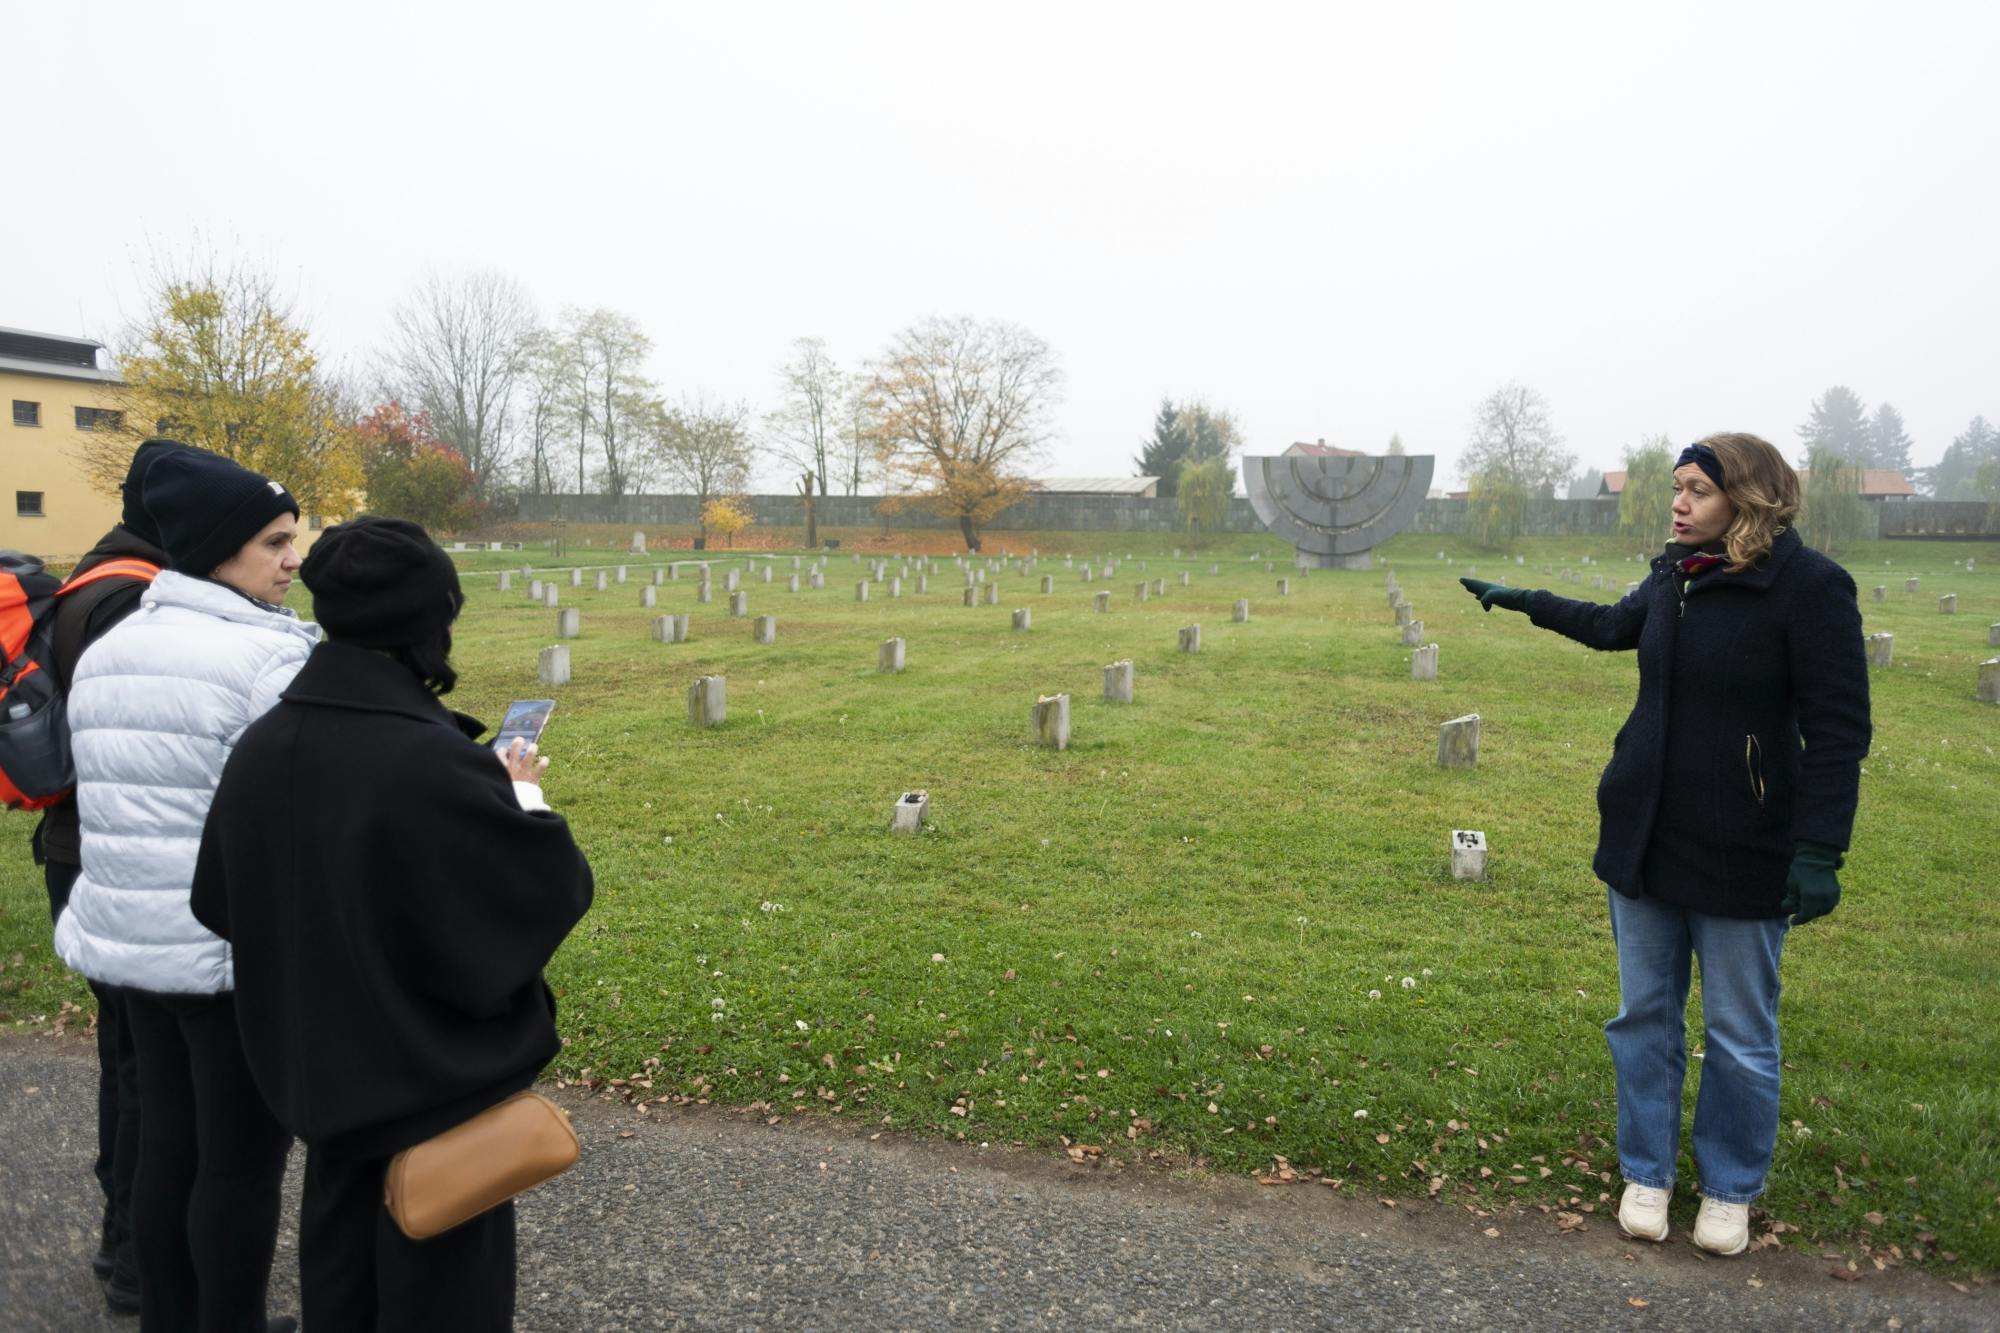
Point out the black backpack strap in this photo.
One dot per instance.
(74, 613)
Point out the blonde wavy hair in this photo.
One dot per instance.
(1764, 490)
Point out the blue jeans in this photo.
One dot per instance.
(1736, 1110)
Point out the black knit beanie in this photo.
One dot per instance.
(206, 507)
(134, 518)
(381, 583)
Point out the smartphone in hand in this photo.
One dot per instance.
(524, 722)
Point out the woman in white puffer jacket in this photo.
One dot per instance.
(156, 706)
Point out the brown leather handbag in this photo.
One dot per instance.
(478, 1164)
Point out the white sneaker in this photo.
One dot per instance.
(1642, 1213)
(1722, 1228)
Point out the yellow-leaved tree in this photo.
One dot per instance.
(954, 411)
(220, 362)
(724, 517)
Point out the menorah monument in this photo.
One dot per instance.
(1336, 509)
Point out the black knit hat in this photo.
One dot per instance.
(205, 507)
(135, 519)
(381, 583)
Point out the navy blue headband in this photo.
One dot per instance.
(1704, 458)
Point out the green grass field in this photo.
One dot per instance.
(1220, 928)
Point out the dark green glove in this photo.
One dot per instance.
(1491, 595)
(1811, 888)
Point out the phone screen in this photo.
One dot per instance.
(525, 720)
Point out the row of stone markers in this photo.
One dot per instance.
(1458, 739)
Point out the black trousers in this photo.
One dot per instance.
(358, 1272)
(211, 1164)
(117, 1084)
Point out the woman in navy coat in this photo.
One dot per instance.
(1724, 812)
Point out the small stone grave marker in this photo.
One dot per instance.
(1190, 640)
(764, 629)
(552, 665)
(739, 605)
(1948, 604)
(889, 658)
(1989, 681)
(1909, 585)
(1048, 583)
(1024, 619)
(1468, 854)
(708, 701)
(923, 583)
(1284, 587)
(704, 591)
(550, 597)
(1118, 683)
(1048, 723)
(993, 594)
(861, 591)
(648, 596)
(1101, 602)
(1240, 613)
(569, 623)
(1405, 613)
(506, 580)
(1458, 742)
(1413, 634)
(1881, 649)
(602, 582)
(1424, 663)
(912, 809)
(1881, 593)
(621, 573)
(971, 596)
(895, 587)
(576, 578)
(1142, 592)
(1993, 636)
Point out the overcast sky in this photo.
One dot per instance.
(1337, 221)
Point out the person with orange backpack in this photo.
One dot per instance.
(102, 590)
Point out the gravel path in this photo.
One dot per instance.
(711, 1219)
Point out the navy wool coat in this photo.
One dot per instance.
(1748, 732)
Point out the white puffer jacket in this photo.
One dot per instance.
(156, 707)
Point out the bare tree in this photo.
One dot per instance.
(956, 408)
(611, 350)
(707, 448)
(456, 351)
(1513, 441)
(547, 376)
(807, 419)
(856, 452)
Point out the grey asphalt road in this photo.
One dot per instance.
(713, 1220)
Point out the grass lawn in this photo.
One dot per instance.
(1220, 927)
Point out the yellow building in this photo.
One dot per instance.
(54, 393)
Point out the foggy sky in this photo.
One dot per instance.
(1337, 221)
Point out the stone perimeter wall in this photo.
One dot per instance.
(1121, 513)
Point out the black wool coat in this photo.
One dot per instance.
(389, 905)
(1748, 732)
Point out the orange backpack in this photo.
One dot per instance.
(36, 769)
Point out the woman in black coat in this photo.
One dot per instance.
(1724, 813)
(392, 890)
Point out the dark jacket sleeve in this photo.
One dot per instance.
(1829, 672)
(493, 888)
(1613, 628)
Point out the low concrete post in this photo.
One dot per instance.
(764, 630)
(1118, 683)
(550, 597)
(913, 808)
(1989, 681)
(1468, 854)
(923, 583)
(1424, 663)
(1993, 636)
(708, 701)
(970, 595)
(816, 580)
(506, 580)
(739, 605)
(1881, 649)
(993, 594)
(1142, 592)
(1240, 613)
(791, 583)
(1458, 742)
(602, 581)
(552, 665)
(1948, 604)
(1284, 587)
(732, 579)
(534, 590)
(1413, 634)
(1910, 584)
(569, 623)
(1190, 639)
(1049, 722)
(704, 591)
(1101, 602)
(1879, 592)
(861, 591)
(1405, 613)
(576, 578)
(889, 658)
(621, 573)
(1024, 619)
(1048, 583)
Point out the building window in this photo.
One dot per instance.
(314, 523)
(27, 413)
(28, 504)
(97, 418)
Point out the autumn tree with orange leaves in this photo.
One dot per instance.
(955, 410)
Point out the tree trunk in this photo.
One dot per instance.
(971, 533)
(812, 511)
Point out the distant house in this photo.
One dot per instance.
(1321, 449)
(1145, 487)
(1876, 483)
(1612, 486)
